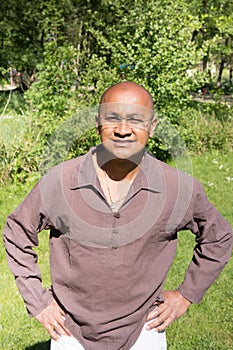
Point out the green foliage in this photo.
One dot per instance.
(215, 35)
(25, 27)
(208, 127)
(51, 92)
(150, 44)
(79, 48)
(20, 37)
(147, 42)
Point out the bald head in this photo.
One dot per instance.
(126, 120)
(128, 92)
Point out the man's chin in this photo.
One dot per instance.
(122, 154)
(125, 154)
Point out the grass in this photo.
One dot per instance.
(207, 326)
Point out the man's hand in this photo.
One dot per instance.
(53, 318)
(174, 306)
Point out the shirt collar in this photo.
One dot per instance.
(85, 174)
(150, 175)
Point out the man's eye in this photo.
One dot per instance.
(134, 120)
(112, 118)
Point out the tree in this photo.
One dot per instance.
(148, 42)
(215, 35)
(21, 38)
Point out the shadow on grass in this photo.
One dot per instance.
(39, 346)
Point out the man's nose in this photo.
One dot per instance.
(123, 128)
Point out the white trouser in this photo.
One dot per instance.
(147, 340)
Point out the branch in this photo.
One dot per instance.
(8, 101)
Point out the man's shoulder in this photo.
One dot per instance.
(68, 165)
(63, 172)
(170, 173)
(165, 166)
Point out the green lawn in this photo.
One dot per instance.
(207, 326)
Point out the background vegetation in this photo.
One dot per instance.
(62, 54)
(56, 59)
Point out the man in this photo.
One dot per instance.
(114, 215)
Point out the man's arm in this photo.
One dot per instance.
(20, 236)
(212, 252)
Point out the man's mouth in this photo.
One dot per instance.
(122, 143)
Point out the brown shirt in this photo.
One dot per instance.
(108, 268)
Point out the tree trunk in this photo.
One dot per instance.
(78, 49)
(11, 76)
(231, 66)
(221, 67)
(204, 63)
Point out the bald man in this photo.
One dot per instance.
(113, 216)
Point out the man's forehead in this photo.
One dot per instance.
(128, 108)
(128, 93)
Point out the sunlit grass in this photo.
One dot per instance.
(207, 326)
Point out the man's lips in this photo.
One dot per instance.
(123, 143)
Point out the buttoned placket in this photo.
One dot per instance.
(115, 229)
(136, 186)
(116, 215)
(113, 216)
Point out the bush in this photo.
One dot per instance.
(208, 127)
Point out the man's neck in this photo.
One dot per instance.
(119, 169)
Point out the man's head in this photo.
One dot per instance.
(128, 87)
(126, 119)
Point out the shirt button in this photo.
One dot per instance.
(116, 215)
(114, 245)
(116, 231)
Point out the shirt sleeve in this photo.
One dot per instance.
(20, 236)
(213, 248)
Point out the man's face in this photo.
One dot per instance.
(125, 121)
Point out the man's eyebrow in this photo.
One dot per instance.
(130, 115)
(135, 115)
(112, 113)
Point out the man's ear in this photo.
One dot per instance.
(97, 124)
(153, 126)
